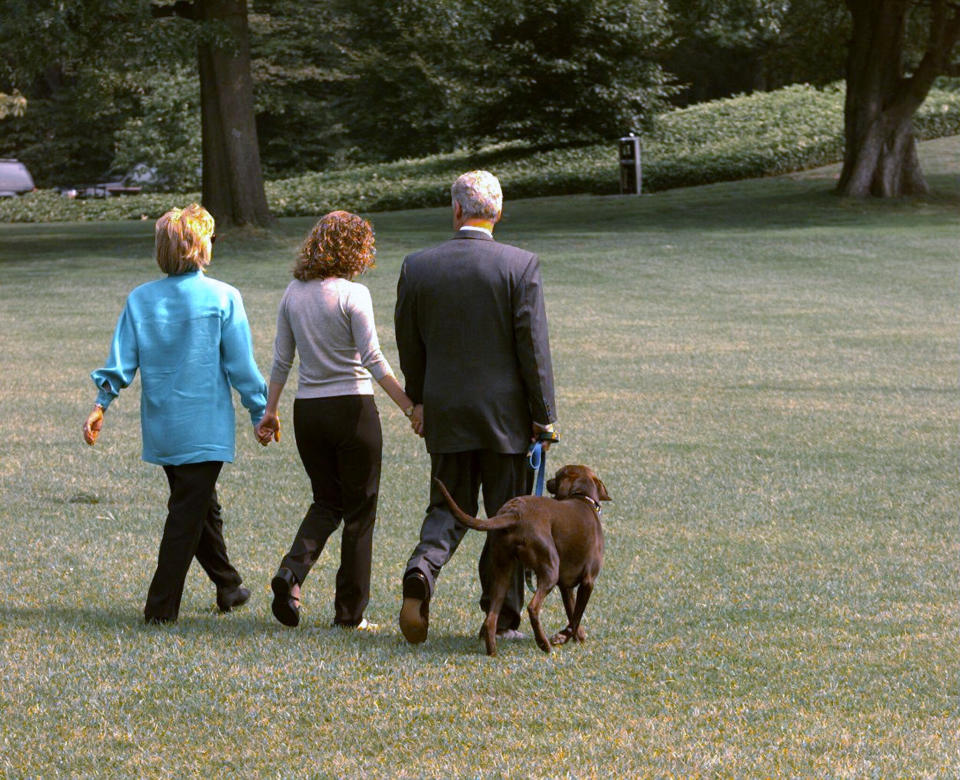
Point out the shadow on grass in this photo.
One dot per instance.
(784, 202)
(101, 620)
(779, 204)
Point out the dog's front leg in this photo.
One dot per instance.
(562, 637)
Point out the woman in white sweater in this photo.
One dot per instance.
(327, 319)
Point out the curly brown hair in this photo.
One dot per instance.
(340, 244)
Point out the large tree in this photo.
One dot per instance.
(884, 90)
(232, 177)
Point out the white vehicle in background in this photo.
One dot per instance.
(15, 179)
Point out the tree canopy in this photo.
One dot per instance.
(109, 85)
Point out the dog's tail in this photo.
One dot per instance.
(495, 523)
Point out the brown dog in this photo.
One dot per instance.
(560, 539)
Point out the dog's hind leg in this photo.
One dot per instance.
(548, 572)
(562, 637)
(489, 631)
(503, 568)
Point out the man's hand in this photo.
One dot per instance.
(545, 434)
(268, 428)
(92, 425)
(416, 420)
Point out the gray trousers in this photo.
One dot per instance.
(501, 477)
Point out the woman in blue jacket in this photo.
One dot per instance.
(188, 335)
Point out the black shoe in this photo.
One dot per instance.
(415, 612)
(230, 598)
(286, 607)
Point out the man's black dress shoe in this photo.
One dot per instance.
(230, 598)
(415, 612)
(286, 607)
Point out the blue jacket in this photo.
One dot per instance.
(189, 337)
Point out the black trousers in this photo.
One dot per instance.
(501, 477)
(194, 528)
(340, 444)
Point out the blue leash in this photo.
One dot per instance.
(537, 458)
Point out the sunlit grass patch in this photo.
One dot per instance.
(765, 379)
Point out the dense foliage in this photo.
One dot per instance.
(396, 80)
(167, 133)
(730, 46)
(109, 86)
(349, 82)
(79, 65)
(564, 71)
(751, 135)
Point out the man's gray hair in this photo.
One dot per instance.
(479, 195)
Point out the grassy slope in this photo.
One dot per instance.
(764, 376)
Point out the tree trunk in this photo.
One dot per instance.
(880, 157)
(883, 160)
(232, 178)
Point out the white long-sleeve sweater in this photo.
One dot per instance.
(329, 324)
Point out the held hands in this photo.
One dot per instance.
(416, 420)
(268, 428)
(92, 425)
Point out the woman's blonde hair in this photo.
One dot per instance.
(182, 240)
(340, 244)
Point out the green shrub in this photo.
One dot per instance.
(742, 137)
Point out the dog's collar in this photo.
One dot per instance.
(590, 500)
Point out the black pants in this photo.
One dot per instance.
(340, 443)
(194, 527)
(502, 477)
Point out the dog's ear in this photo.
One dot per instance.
(552, 485)
(602, 490)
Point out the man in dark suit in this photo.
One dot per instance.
(472, 336)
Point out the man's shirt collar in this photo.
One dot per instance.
(477, 229)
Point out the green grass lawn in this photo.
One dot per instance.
(764, 376)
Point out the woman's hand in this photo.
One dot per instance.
(268, 428)
(92, 425)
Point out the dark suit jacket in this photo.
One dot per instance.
(472, 336)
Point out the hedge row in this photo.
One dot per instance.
(748, 136)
